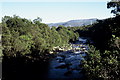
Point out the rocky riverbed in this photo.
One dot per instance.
(66, 64)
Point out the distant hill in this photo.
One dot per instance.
(73, 23)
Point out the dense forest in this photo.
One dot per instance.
(103, 60)
(34, 40)
(23, 37)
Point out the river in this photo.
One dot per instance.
(66, 65)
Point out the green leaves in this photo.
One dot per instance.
(37, 21)
(23, 37)
(99, 65)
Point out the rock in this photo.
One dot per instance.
(77, 52)
(61, 66)
(51, 52)
(84, 48)
(58, 58)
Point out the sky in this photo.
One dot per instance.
(53, 11)
(54, 0)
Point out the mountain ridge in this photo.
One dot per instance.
(73, 23)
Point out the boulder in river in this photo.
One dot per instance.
(61, 66)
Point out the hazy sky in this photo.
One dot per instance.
(52, 12)
(54, 0)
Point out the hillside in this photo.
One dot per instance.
(73, 23)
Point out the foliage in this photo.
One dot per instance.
(101, 32)
(0, 43)
(115, 5)
(37, 21)
(23, 37)
(103, 61)
(101, 66)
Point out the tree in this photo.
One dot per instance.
(38, 20)
(102, 61)
(101, 66)
(115, 5)
(22, 37)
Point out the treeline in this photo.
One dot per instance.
(103, 32)
(103, 59)
(21, 37)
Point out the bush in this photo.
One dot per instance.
(97, 65)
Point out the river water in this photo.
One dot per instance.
(66, 65)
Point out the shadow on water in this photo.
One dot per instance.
(19, 69)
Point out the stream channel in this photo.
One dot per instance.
(66, 64)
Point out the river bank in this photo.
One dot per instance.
(63, 65)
